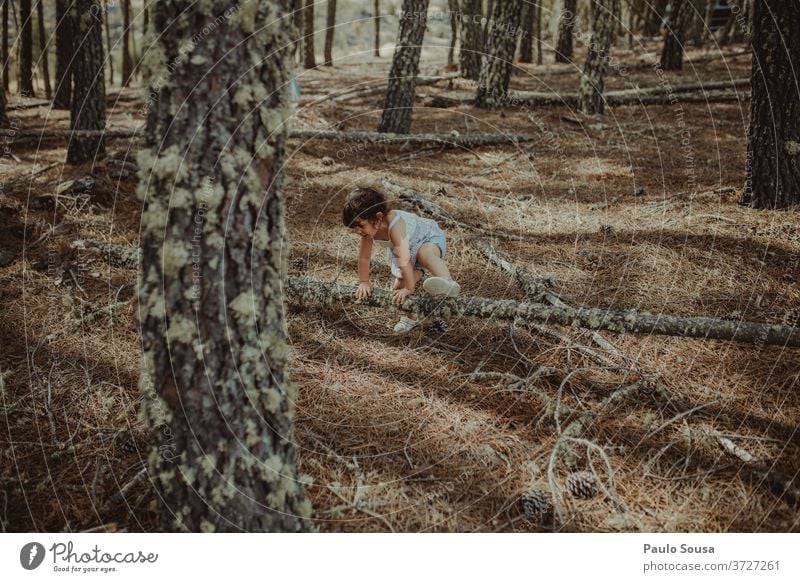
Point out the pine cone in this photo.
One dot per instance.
(536, 506)
(582, 484)
(438, 325)
(125, 443)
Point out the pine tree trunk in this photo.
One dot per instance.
(773, 148)
(396, 117)
(48, 90)
(539, 56)
(64, 44)
(88, 107)
(452, 5)
(298, 8)
(742, 20)
(127, 60)
(214, 372)
(590, 94)
(496, 67)
(699, 22)
(655, 17)
(309, 60)
(566, 23)
(487, 22)
(528, 27)
(672, 53)
(377, 28)
(469, 57)
(26, 50)
(3, 116)
(331, 25)
(6, 59)
(104, 16)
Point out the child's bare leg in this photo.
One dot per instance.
(429, 256)
(398, 284)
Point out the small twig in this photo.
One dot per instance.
(120, 495)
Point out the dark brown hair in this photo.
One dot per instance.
(364, 203)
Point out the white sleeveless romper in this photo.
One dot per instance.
(420, 231)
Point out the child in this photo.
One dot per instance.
(414, 245)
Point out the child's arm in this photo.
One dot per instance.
(403, 254)
(364, 256)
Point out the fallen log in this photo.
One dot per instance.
(379, 90)
(454, 140)
(628, 321)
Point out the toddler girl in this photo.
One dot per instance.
(414, 245)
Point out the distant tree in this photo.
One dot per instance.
(298, 8)
(452, 6)
(489, 8)
(539, 58)
(699, 21)
(104, 16)
(64, 45)
(26, 49)
(396, 117)
(213, 236)
(3, 116)
(469, 57)
(526, 38)
(672, 53)
(566, 23)
(127, 59)
(309, 60)
(657, 9)
(88, 106)
(377, 28)
(590, 93)
(6, 60)
(330, 27)
(773, 145)
(496, 67)
(48, 90)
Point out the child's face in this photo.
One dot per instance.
(364, 228)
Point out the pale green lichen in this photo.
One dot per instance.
(206, 526)
(271, 468)
(271, 400)
(792, 147)
(243, 306)
(181, 329)
(174, 256)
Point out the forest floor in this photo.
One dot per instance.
(441, 429)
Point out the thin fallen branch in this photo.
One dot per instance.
(454, 140)
(120, 495)
(378, 90)
(14, 182)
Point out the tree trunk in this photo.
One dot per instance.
(309, 60)
(3, 116)
(214, 370)
(486, 24)
(6, 59)
(742, 19)
(104, 16)
(48, 90)
(331, 25)
(500, 46)
(396, 117)
(539, 56)
(377, 28)
(26, 50)
(297, 21)
(655, 17)
(590, 94)
(469, 57)
(88, 107)
(127, 60)
(672, 53)
(64, 44)
(452, 5)
(528, 29)
(772, 177)
(566, 24)
(699, 21)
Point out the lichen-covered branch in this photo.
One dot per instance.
(628, 321)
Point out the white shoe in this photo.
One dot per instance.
(405, 324)
(441, 286)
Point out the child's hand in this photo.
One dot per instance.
(400, 296)
(364, 290)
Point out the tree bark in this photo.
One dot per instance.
(396, 117)
(309, 59)
(500, 46)
(655, 17)
(469, 57)
(566, 24)
(772, 176)
(699, 21)
(526, 40)
(48, 90)
(377, 28)
(452, 5)
(6, 59)
(88, 106)
(104, 16)
(26, 50)
(3, 116)
(127, 60)
(331, 26)
(539, 55)
(628, 321)
(590, 94)
(64, 47)
(214, 371)
(672, 53)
